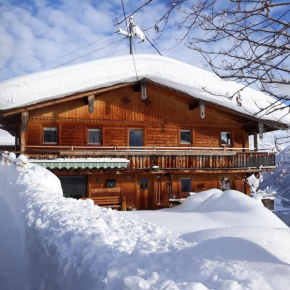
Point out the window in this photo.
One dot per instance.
(74, 186)
(143, 183)
(111, 183)
(185, 184)
(135, 137)
(49, 135)
(225, 183)
(185, 137)
(225, 138)
(94, 136)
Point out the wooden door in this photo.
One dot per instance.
(144, 191)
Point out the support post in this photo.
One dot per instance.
(256, 141)
(24, 123)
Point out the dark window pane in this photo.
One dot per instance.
(185, 184)
(74, 186)
(225, 183)
(50, 135)
(136, 138)
(185, 137)
(94, 136)
(111, 183)
(143, 183)
(225, 138)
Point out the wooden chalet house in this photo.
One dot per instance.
(152, 132)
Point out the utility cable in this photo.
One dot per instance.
(108, 45)
(153, 45)
(67, 54)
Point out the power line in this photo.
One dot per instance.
(108, 45)
(67, 54)
(153, 45)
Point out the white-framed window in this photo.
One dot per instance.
(50, 135)
(185, 136)
(225, 138)
(185, 184)
(94, 136)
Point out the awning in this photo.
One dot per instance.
(83, 163)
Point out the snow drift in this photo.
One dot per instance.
(72, 244)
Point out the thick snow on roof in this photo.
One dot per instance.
(198, 83)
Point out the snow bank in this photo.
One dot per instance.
(72, 244)
(57, 83)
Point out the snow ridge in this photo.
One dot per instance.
(72, 244)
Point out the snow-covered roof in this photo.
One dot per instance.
(53, 84)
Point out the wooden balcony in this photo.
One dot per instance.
(191, 159)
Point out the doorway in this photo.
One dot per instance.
(145, 199)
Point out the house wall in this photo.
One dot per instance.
(161, 116)
(165, 114)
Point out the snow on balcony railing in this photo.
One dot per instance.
(11, 158)
(147, 148)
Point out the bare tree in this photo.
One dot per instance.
(244, 40)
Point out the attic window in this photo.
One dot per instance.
(225, 139)
(50, 135)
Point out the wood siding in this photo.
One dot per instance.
(162, 117)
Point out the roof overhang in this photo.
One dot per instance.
(270, 124)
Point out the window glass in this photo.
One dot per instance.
(49, 135)
(111, 183)
(143, 183)
(94, 136)
(185, 184)
(185, 137)
(74, 186)
(225, 138)
(225, 183)
(135, 137)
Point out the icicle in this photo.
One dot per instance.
(202, 109)
(261, 129)
(143, 90)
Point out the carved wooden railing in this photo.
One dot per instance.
(164, 157)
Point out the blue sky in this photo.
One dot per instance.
(35, 32)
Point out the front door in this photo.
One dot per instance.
(144, 193)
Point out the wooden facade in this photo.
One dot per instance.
(163, 160)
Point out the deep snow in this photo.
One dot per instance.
(224, 241)
(198, 83)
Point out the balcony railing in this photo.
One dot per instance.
(199, 158)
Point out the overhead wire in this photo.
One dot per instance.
(68, 54)
(108, 45)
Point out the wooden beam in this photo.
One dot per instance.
(159, 172)
(91, 101)
(255, 141)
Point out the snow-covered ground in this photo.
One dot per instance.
(213, 241)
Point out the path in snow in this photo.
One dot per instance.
(13, 269)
